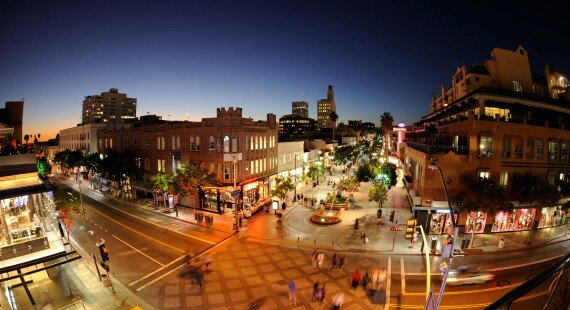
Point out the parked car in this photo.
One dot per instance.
(465, 275)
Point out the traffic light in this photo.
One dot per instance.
(104, 252)
(411, 228)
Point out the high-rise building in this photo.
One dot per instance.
(12, 116)
(109, 107)
(294, 126)
(324, 109)
(300, 108)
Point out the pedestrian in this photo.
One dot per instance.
(338, 299)
(414, 240)
(341, 261)
(381, 278)
(355, 280)
(375, 275)
(315, 291)
(363, 238)
(314, 259)
(207, 261)
(199, 276)
(292, 291)
(320, 259)
(365, 281)
(321, 294)
(333, 262)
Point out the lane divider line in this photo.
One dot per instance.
(138, 232)
(132, 247)
(182, 265)
(157, 271)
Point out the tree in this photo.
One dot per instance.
(69, 160)
(377, 193)
(388, 174)
(481, 194)
(92, 162)
(26, 138)
(333, 117)
(282, 187)
(190, 177)
(67, 201)
(531, 189)
(162, 183)
(364, 172)
(315, 171)
(345, 154)
(44, 168)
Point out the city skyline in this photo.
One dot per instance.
(180, 58)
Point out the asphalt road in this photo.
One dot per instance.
(138, 246)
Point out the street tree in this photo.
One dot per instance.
(67, 202)
(315, 171)
(387, 173)
(189, 178)
(531, 189)
(162, 183)
(386, 124)
(377, 193)
(282, 187)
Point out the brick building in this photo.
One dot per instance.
(216, 141)
(497, 121)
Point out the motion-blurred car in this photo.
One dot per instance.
(464, 275)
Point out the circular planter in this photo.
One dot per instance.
(325, 217)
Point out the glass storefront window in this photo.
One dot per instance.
(475, 222)
(514, 220)
(441, 223)
(552, 216)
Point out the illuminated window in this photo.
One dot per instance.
(517, 86)
(197, 143)
(503, 178)
(552, 150)
(212, 143)
(226, 144)
(485, 146)
(506, 147)
(484, 174)
(226, 172)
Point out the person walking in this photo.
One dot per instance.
(333, 261)
(292, 291)
(375, 276)
(363, 237)
(414, 240)
(314, 259)
(338, 299)
(321, 294)
(365, 281)
(381, 278)
(315, 291)
(320, 259)
(355, 279)
(341, 261)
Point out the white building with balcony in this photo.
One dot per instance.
(82, 137)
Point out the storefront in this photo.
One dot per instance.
(514, 220)
(475, 222)
(552, 216)
(221, 199)
(28, 224)
(441, 223)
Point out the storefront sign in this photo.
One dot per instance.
(250, 186)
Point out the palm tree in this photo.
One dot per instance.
(333, 117)
(386, 124)
(26, 138)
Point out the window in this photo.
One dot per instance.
(251, 167)
(197, 143)
(503, 178)
(234, 144)
(211, 169)
(518, 148)
(138, 162)
(530, 149)
(257, 166)
(147, 164)
(226, 171)
(160, 143)
(173, 145)
(503, 114)
(517, 86)
(485, 146)
(539, 149)
(564, 151)
(178, 143)
(212, 143)
(484, 174)
(256, 142)
(219, 144)
(552, 150)
(161, 165)
(264, 142)
(246, 143)
(192, 146)
(252, 144)
(226, 144)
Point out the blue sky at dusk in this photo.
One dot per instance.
(191, 57)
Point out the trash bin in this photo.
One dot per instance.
(433, 247)
(501, 243)
(465, 243)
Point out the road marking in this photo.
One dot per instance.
(182, 265)
(157, 271)
(489, 289)
(388, 284)
(138, 232)
(140, 218)
(403, 275)
(472, 306)
(526, 264)
(132, 247)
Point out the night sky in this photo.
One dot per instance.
(178, 57)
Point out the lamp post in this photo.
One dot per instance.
(295, 175)
(433, 165)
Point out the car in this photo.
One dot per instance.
(464, 275)
(247, 213)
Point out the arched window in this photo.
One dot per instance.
(226, 144)
(178, 143)
(257, 142)
(212, 143)
(234, 144)
(219, 144)
(246, 143)
(264, 142)
(192, 147)
(252, 144)
(197, 143)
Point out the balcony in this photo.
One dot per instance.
(437, 149)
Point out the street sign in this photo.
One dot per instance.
(236, 193)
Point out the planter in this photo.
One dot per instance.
(326, 217)
(279, 224)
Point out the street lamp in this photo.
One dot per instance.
(295, 175)
(433, 165)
